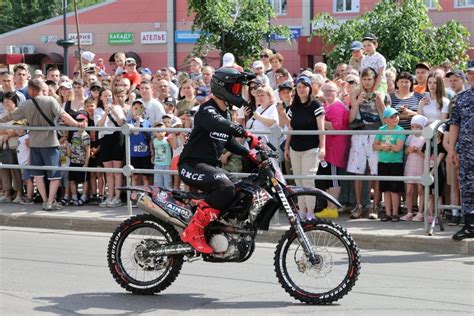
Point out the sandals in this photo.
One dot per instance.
(78, 202)
(385, 218)
(65, 201)
(395, 218)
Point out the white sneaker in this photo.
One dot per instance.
(115, 202)
(5, 199)
(18, 199)
(105, 203)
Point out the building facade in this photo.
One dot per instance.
(158, 33)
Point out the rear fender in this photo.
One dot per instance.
(292, 191)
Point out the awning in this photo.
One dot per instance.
(30, 59)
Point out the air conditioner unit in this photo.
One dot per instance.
(13, 49)
(27, 49)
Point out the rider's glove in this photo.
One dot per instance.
(253, 157)
(252, 140)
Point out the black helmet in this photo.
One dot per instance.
(226, 84)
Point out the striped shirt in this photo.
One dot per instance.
(411, 103)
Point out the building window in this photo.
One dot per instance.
(464, 3)
(430, 4)
(279, 6)
(343, 6)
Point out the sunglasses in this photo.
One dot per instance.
(255, 87)
(351, 81)
(264, 56)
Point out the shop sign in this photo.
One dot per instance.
(295, 33)
(153, 37)
(45, 39)
(86, 38)
(121, 38)
(186, 36)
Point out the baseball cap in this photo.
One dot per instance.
(285, 85)
(257, 64)
(419, 120)
(172, 69)
(38, 72)
(95, 84)
(470, 65)
(81, 117)
(170, 100)
(130, 61)
(457, 73)
(66, 84)
(423, 65)
(138, 101)
(356, 45)
(145, 71)
(228, 60)
(304, 80)
(369, 37)
(202, 93)
(388, 112)
(175, 121)
(198, 60)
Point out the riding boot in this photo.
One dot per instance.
(468, 230)
(193, 234)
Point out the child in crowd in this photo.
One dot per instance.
(139, 143)
(414, 167)
(390, 153)
(119, 59)
(96, 179)
(79, 153)
(161, 153)
(176, 141)
(374, 60)
(64, 162)
(23, 156)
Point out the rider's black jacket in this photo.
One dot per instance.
(212, 132)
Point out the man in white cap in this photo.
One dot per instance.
(259, 70)
(87, 62)
(228, 61)
(195, 67)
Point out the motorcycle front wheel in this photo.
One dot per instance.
(129, 258)
(332, 277)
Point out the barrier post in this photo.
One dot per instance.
(128, 168)
(427, 133)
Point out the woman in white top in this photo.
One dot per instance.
(109, 113)
(434, 105)
(265, 117)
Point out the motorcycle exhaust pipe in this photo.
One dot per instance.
(146, 203)
(173, 249)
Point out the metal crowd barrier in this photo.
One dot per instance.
(128, 170)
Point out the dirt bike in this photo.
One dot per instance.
(316, 261)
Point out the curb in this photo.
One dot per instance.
(416, 243)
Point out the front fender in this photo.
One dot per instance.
(291, 191)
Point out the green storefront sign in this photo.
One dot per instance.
(120, 38)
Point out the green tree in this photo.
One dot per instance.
(236, 26)
(405, 32)
(20, 13)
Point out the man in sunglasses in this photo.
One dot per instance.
(198, 165)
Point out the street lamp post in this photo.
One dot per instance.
(65, 43)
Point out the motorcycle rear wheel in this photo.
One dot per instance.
(322, 283)
(129, 261)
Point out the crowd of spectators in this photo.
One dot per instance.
(363, 94)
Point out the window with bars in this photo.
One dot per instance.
(343, 6)
(464, 3)
(279, 6)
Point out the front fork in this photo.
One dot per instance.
(295, 221)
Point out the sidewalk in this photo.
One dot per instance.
(369, 234)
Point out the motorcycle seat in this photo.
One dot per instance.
(184, 195)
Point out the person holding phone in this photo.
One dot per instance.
(112, 143)
(434, 104)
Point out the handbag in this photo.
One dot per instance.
(8, 155)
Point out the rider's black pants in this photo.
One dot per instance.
(213, 181)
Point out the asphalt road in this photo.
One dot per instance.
(65, 273)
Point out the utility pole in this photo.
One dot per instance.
(65, 43)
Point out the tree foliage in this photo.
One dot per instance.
(236, 26)
(20, 13)
(405, 32)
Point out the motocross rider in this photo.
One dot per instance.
(198, 164)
